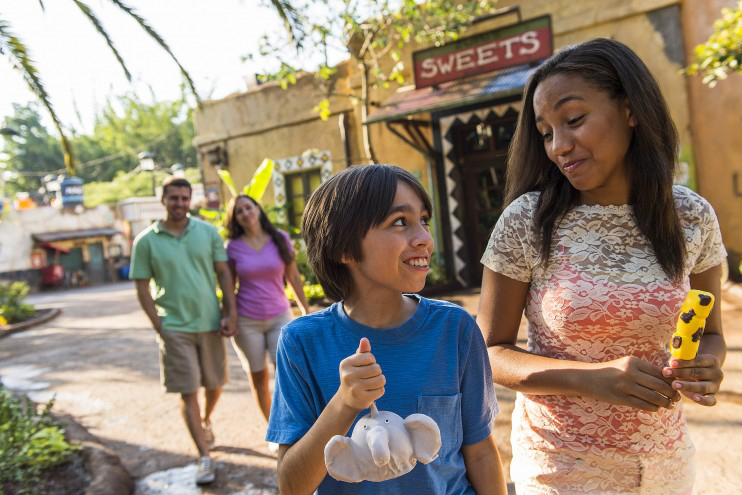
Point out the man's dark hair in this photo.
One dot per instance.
(340, 213)
(615, 69)
(171, 180)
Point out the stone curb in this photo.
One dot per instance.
(42, 316)
(108, 475)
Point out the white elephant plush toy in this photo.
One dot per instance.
(382, 446)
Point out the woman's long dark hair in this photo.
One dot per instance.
(611, 67)
(235, 229)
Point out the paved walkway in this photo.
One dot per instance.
(99, 359)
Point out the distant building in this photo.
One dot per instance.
(85, 244)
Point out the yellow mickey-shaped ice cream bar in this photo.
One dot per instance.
(693, 313)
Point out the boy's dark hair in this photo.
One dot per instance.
(234, 229)
(171, 180)
(340, 213)
(615, 69)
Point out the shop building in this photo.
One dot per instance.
(452, 127)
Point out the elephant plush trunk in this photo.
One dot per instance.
(378, 443)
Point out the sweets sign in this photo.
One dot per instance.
(528, 41)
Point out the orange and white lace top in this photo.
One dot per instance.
(602, 296)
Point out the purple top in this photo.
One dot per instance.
(261, 293)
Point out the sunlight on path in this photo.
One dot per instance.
(179, 481)
(19, 378)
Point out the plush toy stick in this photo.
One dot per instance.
(693, 313)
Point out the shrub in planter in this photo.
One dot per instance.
(29, 443)
(12, 307)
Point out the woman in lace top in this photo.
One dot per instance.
(599, 249)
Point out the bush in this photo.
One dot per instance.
(29, 443)
(313, 293)
(12, 308)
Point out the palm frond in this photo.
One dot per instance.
(41, 4)
(144, 25)
(19, 52)
(291, 21)
(87, 11)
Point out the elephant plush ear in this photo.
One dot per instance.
(339, 460)
(426, 437)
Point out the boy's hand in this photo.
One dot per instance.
(698, 379)
(361, 381)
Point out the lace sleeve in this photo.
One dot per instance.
(705, 248)
(712, 250)
(510, 251)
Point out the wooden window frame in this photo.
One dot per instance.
(304, 193)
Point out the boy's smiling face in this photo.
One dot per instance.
(395, 255)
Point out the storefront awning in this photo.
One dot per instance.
(475, 89)
(54, 247)
(67, 235)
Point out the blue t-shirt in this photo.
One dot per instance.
(435, 364)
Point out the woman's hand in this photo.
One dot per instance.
(698, 379)
(630, 381)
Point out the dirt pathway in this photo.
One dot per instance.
(100, 360)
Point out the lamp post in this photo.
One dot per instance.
(9, 131)
(147, 164)
(178, 170)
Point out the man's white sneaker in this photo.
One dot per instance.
(272, 447)
(205, 473)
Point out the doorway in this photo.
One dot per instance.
(481, 153)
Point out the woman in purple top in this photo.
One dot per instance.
(261, 257)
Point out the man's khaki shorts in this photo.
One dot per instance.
(192, 360)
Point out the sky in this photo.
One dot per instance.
(80, 72)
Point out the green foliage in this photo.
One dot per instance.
(123, 128)
(722, 53)
(302, 263)
(260, 180)
(29, 443)
(312, 289)
(217, 218)
(313, 293)
(34, 152)
(437, 273)
(12, 307)
(125, 186)
(256, 186)
(126, 126)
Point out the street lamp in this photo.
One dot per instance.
(147, 164)
(178, 170)
(9, 131)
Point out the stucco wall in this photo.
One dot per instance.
(270, 122)
(716, 124)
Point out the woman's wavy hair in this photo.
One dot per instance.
(614, 68)
(235, 230)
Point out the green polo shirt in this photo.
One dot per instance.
(183, 282)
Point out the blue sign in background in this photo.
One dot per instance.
(71, 189)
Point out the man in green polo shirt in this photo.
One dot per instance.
(174, 263)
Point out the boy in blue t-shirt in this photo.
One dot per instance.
(369, 243)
